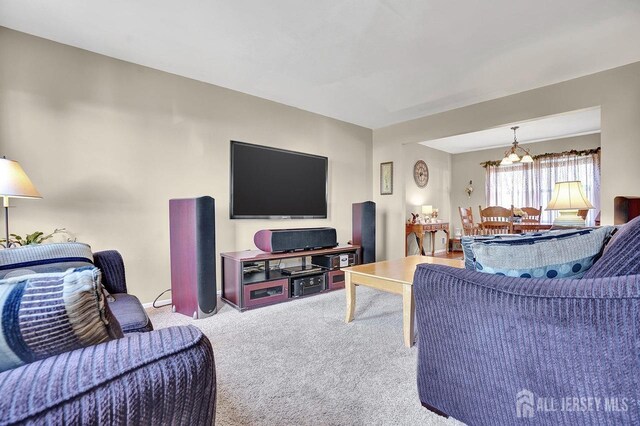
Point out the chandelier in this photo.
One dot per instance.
(511, 156)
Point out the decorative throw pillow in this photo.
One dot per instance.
(44, 258)
(48, 314)
(466, 242)
(622, 255)
(554, 254)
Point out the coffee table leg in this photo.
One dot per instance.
(408, 312)
(350, 289)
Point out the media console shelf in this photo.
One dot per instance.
(254, 278)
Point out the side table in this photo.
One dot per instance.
(419, 229)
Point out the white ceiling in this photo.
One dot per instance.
(574, 123)
(369, 62)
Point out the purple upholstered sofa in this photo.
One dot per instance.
(500, 350)
(125, 307)
(156, 377)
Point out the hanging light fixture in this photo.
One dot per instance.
(511, 156)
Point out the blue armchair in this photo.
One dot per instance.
(164, 376)
(494, 349)
(125, 307)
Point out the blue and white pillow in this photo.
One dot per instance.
(553, 254)
(44, 258)
(467, 241)
(42, 315)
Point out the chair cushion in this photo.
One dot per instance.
(554, 254)
(622, 256)
(48, 314)
(130, 313)
(39, 258)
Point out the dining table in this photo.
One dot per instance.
(519, 228)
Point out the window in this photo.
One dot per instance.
(531, 185)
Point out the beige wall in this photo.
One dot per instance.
(616, 91)
(108, 143)
(466, 166)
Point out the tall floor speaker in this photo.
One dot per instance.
(363, 232)
(193, 256)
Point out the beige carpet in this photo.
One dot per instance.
(298, 363)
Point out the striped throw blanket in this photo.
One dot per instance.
(46, 314)
(37, 258)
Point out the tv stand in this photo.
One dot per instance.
(254, 278)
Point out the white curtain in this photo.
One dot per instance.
(531, 185)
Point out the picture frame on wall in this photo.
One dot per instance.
(386, 178)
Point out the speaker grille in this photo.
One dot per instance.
(364, 229)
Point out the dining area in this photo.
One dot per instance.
(501, 220)
(515, 220)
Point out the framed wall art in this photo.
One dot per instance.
(386, 178)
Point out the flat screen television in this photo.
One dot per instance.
(271, 183)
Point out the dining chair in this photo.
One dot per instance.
(530, 221)
(495, 220)
(533, 214)
(468, 225)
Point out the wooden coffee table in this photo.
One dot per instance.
(392, 276)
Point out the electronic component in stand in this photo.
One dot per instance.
(334, 261)
(298, 270)
(307, 285)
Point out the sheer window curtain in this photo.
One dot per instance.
(531, 185)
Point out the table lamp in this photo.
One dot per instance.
(427, 211)
(15, 183)
(568, 198)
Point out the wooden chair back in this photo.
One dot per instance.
(495, 220)
(466, 217)
(530, 221)
(533, 214)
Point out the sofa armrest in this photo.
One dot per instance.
(165, 376)
(484, 339)
(112, 266)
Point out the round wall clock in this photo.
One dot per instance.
(421, 173)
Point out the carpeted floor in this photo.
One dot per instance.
(298, 363)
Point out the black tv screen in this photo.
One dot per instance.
(271, 183)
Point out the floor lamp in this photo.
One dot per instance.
(14, 183)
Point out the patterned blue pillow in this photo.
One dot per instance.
(47, 314)
(466, 242)
(554, 254)
(44, 258)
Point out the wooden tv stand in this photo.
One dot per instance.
(254, 278)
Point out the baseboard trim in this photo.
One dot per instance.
(159, 303)
(165, 302)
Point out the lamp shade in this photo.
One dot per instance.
(428, 210)
(514, 157)
(14, 182)
(569, 196)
